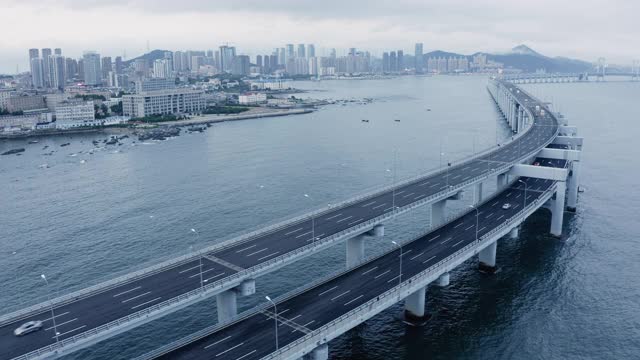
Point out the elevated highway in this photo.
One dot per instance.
(229, 269)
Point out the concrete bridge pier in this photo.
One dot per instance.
(501, 182)
(319, 353)
(355, 245)
(414, 307)
(557, 209)
(572, 184)
(444, 280)
(477, 193)
(227, 303)
(487, 258)
(514, 233)
(439, 209)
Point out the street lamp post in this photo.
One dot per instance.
(275, 316)
(477, 217)
(400, 275)
(53, 315)
(313, 222)
(199, 259)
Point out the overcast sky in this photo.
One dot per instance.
(581, 29)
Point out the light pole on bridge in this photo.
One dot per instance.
(199, 259)
(275, 317)
(53, 315)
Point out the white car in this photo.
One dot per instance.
(506, 206)
(28, 327)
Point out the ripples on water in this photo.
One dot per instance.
(577, 298)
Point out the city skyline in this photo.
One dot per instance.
(455, 26)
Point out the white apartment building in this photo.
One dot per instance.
(172, 101)
(252, 98)
(72, 115)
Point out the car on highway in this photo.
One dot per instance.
(506, 206)
(28, 327)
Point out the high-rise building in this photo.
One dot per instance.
(393, 62)
(34, 53)
(196, 62)
(385, 62)
(241, 64)
(58, 78)
(259, 60)
(91, 67)
(289, 53)
(162, 69)
(282, 58)
(400, 60)
(57, 51)
(311, 51)
(227, 54)
(266, 64)
(419, 58)
(273, 63)
(71, 70)
(46, 66)
(119, 65)
(106, 66)
(177, 61)
(37, 72)
(301, 51)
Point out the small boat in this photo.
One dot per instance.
(397, 120)
(33, 141)
(365, 120)
(65, 144)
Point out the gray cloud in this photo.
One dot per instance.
(585, 29)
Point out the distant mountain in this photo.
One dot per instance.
(526, 59)
(524, 50)
(150, 57)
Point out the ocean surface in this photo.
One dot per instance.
(83, 214)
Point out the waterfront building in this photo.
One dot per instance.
(75, 114)
(311, 51)
(385, 62)
(400, 60)
(270, 84)
(25, 102)
(173, 101)
(289, 53)
(34, 53)
(252, 98)
(301, 51)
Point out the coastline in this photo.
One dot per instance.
(254, 113)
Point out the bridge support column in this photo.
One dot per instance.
(514, 233)
(477, 193)
(572, 198)
(414, 307)
(443, 280)
(501, 182)
(227, 305)
(557, 210)
(355, 245)
(319, 353)
(226, 301)
(437, 213)
(355, 250)
(487, 258)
